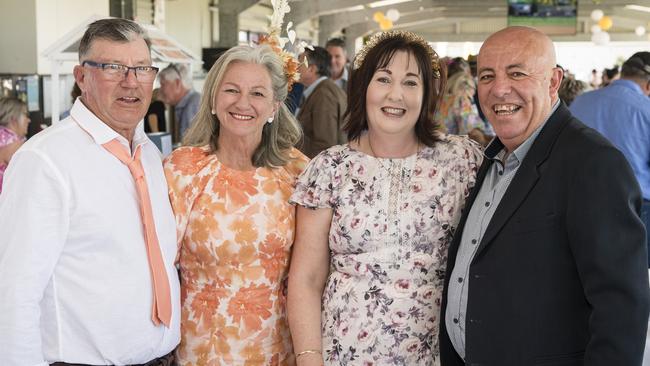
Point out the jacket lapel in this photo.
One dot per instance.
(527, 175)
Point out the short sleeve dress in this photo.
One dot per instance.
(235, 229)
(392, 222)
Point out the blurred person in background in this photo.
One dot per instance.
(176, 90)
(155, 120)
(570, 88)
(339, 72)
(321, 112)
(14, 120)
(457, 110)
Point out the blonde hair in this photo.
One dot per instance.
(278, 137)
(11, 108)
(461, 83)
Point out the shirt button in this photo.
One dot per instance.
(487, 204)
(473, 241)
(500, 172)
(455, 321)
(460, 279)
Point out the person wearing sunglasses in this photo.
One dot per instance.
(87, 233)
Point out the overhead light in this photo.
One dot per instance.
(638, 8)
(348, 9)
(378, 4)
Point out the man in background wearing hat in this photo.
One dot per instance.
(621, 112)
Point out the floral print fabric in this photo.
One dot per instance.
(7, 137)
(392, 222)
(235, 229)
(459, 114)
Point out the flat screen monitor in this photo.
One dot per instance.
(552, 17)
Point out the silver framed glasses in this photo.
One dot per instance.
(118, 72)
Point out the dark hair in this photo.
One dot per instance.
(112, 29)
(335, 42)
(426, 129)
(611, 73)
(637, 66)
(570, 88)
(320, 58)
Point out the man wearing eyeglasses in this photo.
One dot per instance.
(176, 90)
(88, 237)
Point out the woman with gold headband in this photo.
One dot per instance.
(229, 187)
(376, 215)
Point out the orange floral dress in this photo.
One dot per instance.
(235, 229)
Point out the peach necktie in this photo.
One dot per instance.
(161, 311)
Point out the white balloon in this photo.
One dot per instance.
(392, 14)
(600, 38)
(595, 28)
(640, 30)
(596, 14)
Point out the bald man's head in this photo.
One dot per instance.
(518, 82)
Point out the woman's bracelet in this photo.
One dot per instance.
(306, 352)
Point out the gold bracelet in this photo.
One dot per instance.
(308, 352)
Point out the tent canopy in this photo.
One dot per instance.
(164, 49)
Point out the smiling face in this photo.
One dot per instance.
(518, 82)
(119, 104)
(244, 101)
(394, 96)
(338, 61)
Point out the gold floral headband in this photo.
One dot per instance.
(409, 37)
(273, 39)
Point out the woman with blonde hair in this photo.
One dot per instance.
(458, 113)
(229, 187)
(14, 120)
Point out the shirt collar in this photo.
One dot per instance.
(344, 76)
(100, 132)
(496, 150)
(310, 89)
(628, 84)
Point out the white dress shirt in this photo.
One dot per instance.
(74, 275)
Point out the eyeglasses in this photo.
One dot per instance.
(118, 72)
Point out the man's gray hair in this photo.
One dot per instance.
(177, 71)
(112, 29)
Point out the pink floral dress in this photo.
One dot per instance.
(7, 137)
(392, 222)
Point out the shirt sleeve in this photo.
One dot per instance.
(34, 222)
(607, 240)
(315, 185)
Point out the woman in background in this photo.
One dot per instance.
(14, 120)
(457, 111)
(230, 187)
